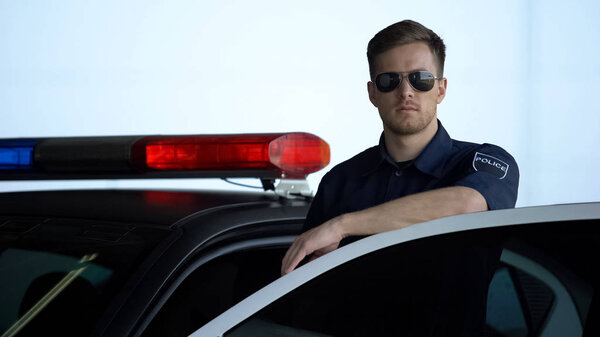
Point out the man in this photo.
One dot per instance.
(417, 172)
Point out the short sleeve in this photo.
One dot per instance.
(494, 173)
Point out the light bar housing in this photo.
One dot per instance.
(266, 156)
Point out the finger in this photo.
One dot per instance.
(294, 255)
(285, 263)
(292, 260)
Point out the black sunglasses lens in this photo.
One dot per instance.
(421, 80)
(387, 82)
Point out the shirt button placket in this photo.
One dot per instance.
(393, 185)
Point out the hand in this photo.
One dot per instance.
(317, 241)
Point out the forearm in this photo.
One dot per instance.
(395, 214)
(412, 209)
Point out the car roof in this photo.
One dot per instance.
(138, 206)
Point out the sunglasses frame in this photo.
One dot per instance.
(401, 77)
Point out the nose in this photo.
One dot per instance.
(405, 90)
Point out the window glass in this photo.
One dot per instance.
(439, 286)
(57, 276)
(536, 298)
(504, 314)
(41, 282)
(213, 288)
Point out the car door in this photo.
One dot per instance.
(519, 272)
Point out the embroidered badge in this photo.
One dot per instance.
(489, 164)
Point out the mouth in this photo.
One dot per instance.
(408, 108)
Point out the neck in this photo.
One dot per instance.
(408, 147)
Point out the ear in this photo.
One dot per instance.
(442, 85)
(372, 93)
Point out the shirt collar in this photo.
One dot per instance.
(377, 156)
(431, 160)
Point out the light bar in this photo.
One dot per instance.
(294, 155)
(16, 155)
(266, 156)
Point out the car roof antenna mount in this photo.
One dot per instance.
(292, 188)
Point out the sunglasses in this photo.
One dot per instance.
(419, 80)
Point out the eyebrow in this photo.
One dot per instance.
(407, 72)
(413, 70)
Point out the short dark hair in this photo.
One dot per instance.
(405, 32)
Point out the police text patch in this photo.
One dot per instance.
(489, 164)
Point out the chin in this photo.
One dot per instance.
(408, 128)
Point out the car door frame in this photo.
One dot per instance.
(480, 220)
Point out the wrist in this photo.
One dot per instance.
(342, 225)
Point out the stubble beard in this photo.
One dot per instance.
(409, 127)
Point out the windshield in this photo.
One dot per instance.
(57, 276)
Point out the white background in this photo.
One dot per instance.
(521, 74)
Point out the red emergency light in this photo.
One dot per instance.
(293, 154)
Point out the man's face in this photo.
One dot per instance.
(405, 110)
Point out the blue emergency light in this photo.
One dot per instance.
(16, 155)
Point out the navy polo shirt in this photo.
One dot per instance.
(373, 177)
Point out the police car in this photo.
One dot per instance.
(207, 263)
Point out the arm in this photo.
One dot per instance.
(395, 214)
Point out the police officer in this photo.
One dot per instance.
(417, 172)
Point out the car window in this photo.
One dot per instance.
(41, 282)
(214, 287)
(506, 281)
(505, 315)
(57, 276)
